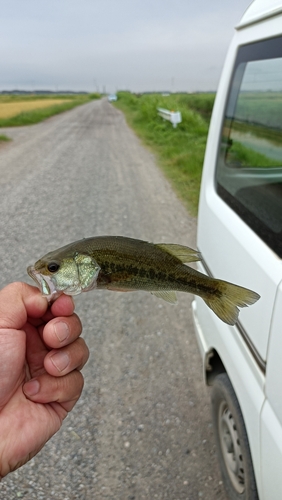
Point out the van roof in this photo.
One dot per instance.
(258, 10)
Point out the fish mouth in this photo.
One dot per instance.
(45, 284)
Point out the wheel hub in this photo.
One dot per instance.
(231, 449)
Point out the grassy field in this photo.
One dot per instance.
(179, 151)
(260, 108)
(4, 138)
(16, 110)
(240, 155)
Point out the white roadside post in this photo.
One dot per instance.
(173, 116)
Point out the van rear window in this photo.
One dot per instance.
(249, 166)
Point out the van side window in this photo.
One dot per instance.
(249, 165)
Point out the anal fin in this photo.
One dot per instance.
(167, 295)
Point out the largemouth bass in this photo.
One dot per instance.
(126, 264)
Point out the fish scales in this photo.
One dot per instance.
(126, 264)
(129, 262)
(147, 278)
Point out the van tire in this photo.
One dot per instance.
(232, 442)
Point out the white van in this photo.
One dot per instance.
(240, 238)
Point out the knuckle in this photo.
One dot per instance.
(84, 352)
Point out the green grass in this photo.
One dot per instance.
(246, 157)
(179, 151)
(38, 115)
(4, 138)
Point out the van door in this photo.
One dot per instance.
(244, 206)
(271, 417)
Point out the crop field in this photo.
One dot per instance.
(179, 151)
(8, 109)
(16, 110)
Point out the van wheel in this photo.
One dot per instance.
(232, 442)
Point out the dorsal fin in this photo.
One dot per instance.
(184, 254)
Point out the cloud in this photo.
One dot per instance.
(142, 43)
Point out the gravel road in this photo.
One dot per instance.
(142, 428)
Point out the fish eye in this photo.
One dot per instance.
(53, 267)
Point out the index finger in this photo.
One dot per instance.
(63, 306)
(17, 302)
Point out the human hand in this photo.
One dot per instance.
(41, 355)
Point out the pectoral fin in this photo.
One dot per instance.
(167, 295)
(184, 254)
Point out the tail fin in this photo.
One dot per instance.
(229, 298)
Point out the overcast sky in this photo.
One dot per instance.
(108, 45)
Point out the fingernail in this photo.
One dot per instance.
(60, 360)
(61, 330)
(31, 387)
